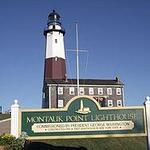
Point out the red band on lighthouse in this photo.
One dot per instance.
(55, 68)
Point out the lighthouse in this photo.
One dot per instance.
(55, 66)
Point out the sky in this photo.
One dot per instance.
(114, 33)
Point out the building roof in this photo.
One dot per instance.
(86, 81)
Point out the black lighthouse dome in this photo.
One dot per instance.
(53, 18)
(54, 24)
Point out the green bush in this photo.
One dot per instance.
(6, 139)
(11, 142)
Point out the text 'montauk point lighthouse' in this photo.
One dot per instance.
(57, 89)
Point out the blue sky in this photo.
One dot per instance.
(116, 34)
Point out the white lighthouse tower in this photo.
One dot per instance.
(55, 66)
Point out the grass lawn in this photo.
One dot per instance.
(4, 116)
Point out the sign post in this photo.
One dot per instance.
(15, 119)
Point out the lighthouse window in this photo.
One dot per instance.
(55, 40)
(60, 90)
(56, 58)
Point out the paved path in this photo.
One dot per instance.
(5, 126)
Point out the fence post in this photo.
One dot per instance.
(15, 119)
(147, 106)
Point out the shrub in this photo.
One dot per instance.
(6, 139)
(11, 143)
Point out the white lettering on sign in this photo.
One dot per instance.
(82, 126)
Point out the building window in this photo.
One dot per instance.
(60, 103)
(71, 91)
(91, 91)
(81, 91)
(43, 95)
(109, 91)
(118, 91)
(100, 91)
(119, 103)
(110, 103)
(60, 90)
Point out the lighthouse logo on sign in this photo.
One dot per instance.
(83, 110)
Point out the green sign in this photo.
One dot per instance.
(83, 118)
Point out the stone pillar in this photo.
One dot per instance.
(147, 106)
(15, 119)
